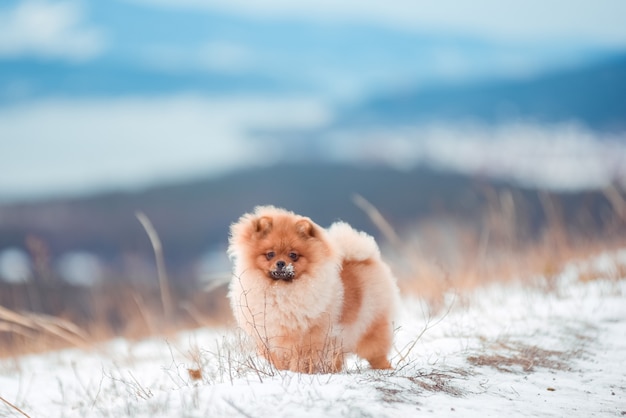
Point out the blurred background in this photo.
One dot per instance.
(485, 134)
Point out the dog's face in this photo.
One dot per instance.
(281, 245)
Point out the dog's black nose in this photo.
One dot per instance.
(280, 264)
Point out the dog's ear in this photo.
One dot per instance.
(263, 226)
(305, 228)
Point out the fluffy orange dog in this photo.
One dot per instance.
(307, 295)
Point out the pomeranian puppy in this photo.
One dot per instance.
(308, 296)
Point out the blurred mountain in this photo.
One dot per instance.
(31, 78)
(593, 95)
(196, 215)
(193, 218)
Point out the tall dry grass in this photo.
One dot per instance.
(444, 253)
(46, 314)
(432, 257)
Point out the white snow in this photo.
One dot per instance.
(559, 351)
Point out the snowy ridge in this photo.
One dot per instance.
(560, 156)
(514, 349)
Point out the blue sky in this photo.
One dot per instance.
(123, 93)
(339, 51)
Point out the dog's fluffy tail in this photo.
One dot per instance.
(352, 244)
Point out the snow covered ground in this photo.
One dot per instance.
(550, 348)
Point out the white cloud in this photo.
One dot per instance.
(215, 55)
(594, 22)
(48, 29)
(564, 156)
(225, 56)
(72, 146)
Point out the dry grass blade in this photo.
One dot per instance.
(62, 329)
(617, 201)
(409, 254)
(53, 325)
(377, 218)
(17, 330)
(13, 317)
(14, 407)
(166, 299)
(429, 325)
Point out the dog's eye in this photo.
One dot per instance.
(270, 255)
(293, 256)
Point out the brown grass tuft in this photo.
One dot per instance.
(519, 357)
(195, 374)
(445, 253)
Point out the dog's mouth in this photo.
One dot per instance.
(286, 273)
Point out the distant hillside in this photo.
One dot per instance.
(22, 79)
(593, 95)
(194, 217)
